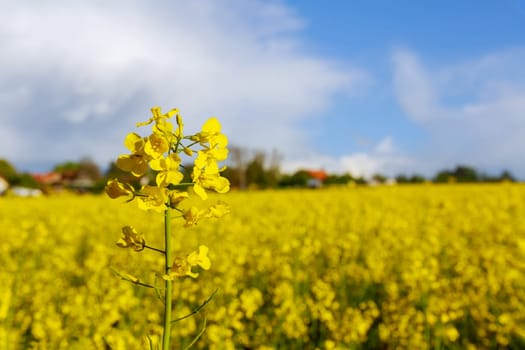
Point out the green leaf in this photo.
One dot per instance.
(198, 308)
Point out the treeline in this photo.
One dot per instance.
(469, 174)
(245, 170)
(84, 175)
(16, 178)
(262, 170)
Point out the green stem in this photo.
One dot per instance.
(168, 283)
(155, 249)
(192, 144)
(181, 184)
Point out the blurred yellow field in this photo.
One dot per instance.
(399, 267)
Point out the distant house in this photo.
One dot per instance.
(382, 182)
(82, 183)
(317, 178)
(26, 192)
(3, 185)
(48, 179)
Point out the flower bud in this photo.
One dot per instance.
(115, 189)
(176, 197)
(188, 151)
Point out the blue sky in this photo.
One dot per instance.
(364, 87)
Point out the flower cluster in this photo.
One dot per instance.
(157, 160)
(160, 154)
(182, 267)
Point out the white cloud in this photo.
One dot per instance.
(412, 86)
(385, 146)
(382, 158)
(76, 76)
(474, 111)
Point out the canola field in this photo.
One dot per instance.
(399, 267)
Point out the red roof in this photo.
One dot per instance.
(320, 175)
(47, 178)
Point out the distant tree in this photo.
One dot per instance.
(334, 179)
(14, 178)
(69, 170)
(443, 176)
(7, 170)
(402, 179)
(88, 168)
(236, 169)
(298, 179)
(256, 173)
(416, 179)
(464, 173)
(25, 180)
(274, 168)
(461, 173)
(252, 168)
(506, 176)
(361, 181)
(67, 166)
(379, 178)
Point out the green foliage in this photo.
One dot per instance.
(298, 179)
(379, 178)
(334, 179)
(468, 174)
(414, 179)
(85, 168)
(504, 176)
(66, 167)
(7, 170)
(256, 174)
(24, 180)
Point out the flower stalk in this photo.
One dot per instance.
(159, 155)
(168, 295)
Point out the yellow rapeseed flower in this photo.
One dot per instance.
(180, 268)
(211, 133)
(168, 169)
(175, 197)
(153, 198)
(180, 126)
(137, 161)
(452, 333)
(200, 258)
(114, 189)
(192, 216)
(131, 239)
(218, 210)
(158, 117)
(208, 177)
(156, 145)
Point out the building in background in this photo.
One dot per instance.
(3, 185)
(317, 178)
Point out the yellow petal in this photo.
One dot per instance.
(199, 191)
(172, 112)
(212, 125)
(158, 164)
(133, 142)
(125, 162)
(173, 177)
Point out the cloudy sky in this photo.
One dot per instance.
(365, 87)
